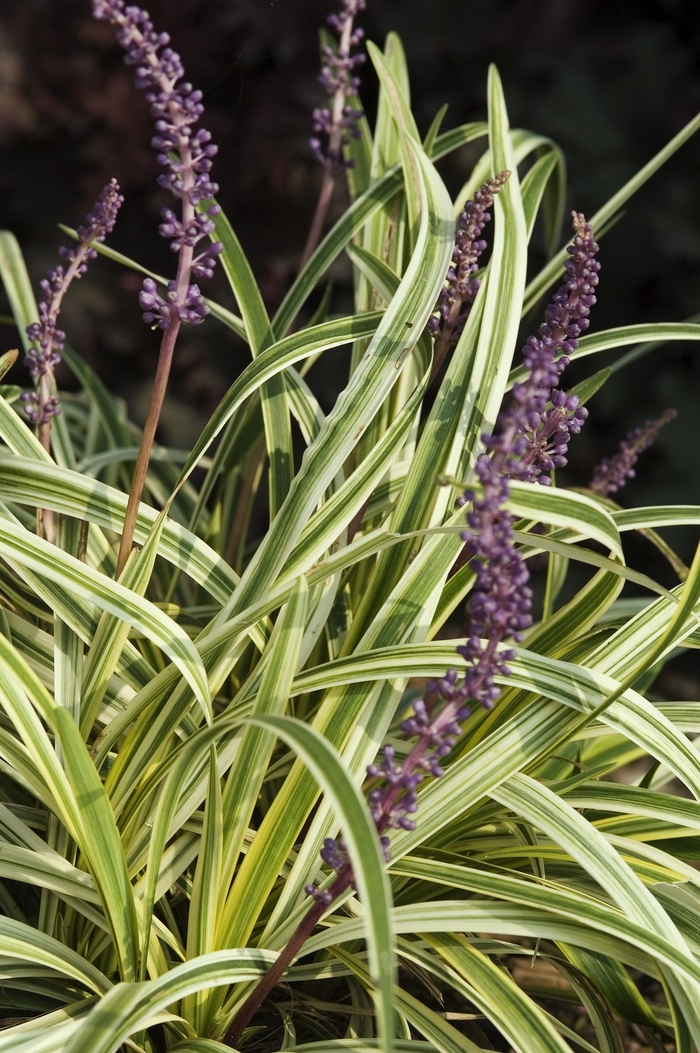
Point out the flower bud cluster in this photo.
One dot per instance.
(339, 122)
(459, 292)
(613, 472)
(535, 430)
(500, 603)
(184, 153)
(157, 310)
(176, 106)
(48, 340)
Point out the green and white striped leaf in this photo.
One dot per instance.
(42, 558)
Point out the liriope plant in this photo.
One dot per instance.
(205, 734)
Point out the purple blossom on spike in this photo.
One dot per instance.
(37, 411)
(528, 437)
(157, 309)
(613, 472)
(459, 292)
(177, 107)
(47, 339)
(534, 432)
(339, 122)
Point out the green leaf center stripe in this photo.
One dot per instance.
(651, 333)
(28, 481)
(274, 360)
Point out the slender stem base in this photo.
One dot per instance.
(160, 384)
(287, 956)
(322, 206)
(45, 519)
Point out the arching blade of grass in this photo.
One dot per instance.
(25, 480)
(78, 790)
(535, 185)
(370, 384)
(396, 88)
(474, 392)
(280, 664)
(42, 558)
(275, 359)
(273, 397)
(130, 1007)
(204, 902)
(549, 274)
(24, 943)
(651, 333)
(584, 923)
(657, 516)
(490, 988)
(363, 848)
(442, 1036)
(590, 848)
(112, 632)
(353, 220)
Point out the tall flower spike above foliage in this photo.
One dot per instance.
(613, 472)
(47, 339)
(499, 608)
(186, 155)
(339, 122)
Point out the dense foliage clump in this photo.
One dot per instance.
(326, 785)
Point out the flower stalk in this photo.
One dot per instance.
(48, 341)
(613, 472)
(338, 122)
(187, 156)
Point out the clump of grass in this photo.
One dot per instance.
(207, 737)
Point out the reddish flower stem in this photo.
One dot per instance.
(322, 206)
(275, 972)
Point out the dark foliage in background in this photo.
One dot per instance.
(610, 80)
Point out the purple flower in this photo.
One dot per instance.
(339, 123)
(186, 155)
(459, 292)
(47, 338)
(613, 472)
(534, 432)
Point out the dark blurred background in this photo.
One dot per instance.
(610, 80)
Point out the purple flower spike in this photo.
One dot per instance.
(47, 338)
(339, 123)
(531, 437)
(186, 155)
(459, 292)
(613, 472)
(534, 432)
